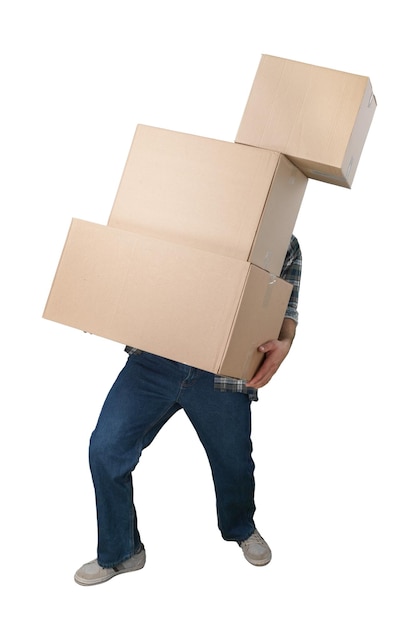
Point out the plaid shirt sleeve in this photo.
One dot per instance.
(291, 272)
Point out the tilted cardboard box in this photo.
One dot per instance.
(204, 309)
(237, 201)
(318, 117)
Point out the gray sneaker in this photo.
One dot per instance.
(92, 573)
(256, 550)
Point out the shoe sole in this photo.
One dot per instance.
(96, 581)
(259, 563)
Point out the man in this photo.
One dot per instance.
(147, 392)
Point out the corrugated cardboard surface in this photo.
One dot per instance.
(190, 305)
(260, 316)
(229, 199)
(318, 117)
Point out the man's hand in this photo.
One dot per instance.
(275, 352)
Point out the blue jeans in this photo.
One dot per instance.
(147, 392)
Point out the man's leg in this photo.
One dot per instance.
(140, 402)
(222, 421)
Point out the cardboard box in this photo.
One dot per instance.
(237, 201)
(318, 117)
(207, 310)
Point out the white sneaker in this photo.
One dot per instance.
(92, 573)
(256, 550)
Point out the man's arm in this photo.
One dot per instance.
(277, 349)
(275, 352)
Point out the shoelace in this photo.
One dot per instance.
(254, 538)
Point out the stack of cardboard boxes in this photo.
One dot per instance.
(188, 264)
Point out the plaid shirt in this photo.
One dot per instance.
(291, 272)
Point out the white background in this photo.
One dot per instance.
(334, 433)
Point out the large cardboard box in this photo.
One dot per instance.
(237, 201)
(204, 309)
(318, 117)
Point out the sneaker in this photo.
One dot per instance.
(256, 550)
(92, 573)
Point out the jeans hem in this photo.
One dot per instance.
(116, 563)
